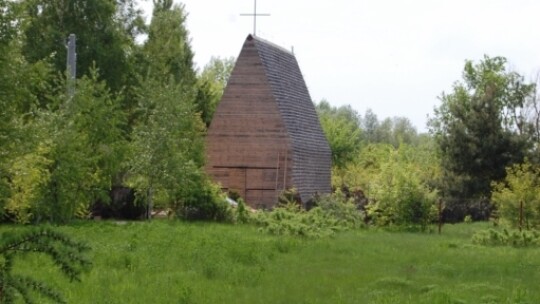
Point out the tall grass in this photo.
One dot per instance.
(175, 262)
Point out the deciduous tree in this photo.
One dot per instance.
(102, 39)
(211, 84)
(342, 129)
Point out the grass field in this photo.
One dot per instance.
(175, 262)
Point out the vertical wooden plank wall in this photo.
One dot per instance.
(247, 143)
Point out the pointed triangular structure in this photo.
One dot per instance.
(265, 136)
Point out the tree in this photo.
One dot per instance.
(65, 253)
(167, 142)
(87, 152)
(167, 52)
(398, 191)
(167, 145)
(73, 157)
(476, 132)
(517, 197)
(342, 129)
(394, 131)
(20, 85)
(370, 125)
(403, 131)
(211, 85)
(102, 39)
(7, 114)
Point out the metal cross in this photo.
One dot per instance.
(255, 15)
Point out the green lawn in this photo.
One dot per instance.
(175, 262)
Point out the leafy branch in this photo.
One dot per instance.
(66, 254)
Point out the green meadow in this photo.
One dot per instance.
(176, 262)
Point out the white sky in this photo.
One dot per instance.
(393, 56)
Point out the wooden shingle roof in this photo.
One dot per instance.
(311, 153)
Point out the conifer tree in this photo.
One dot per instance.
(66, 254)
(478, 127)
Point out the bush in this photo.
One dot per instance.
(344, 210)
(520, 187)
(207, 203)
(400, 198)
(330, 215)
(242, 214)
(512, 238)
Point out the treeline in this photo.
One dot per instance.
(136, 120)
(483, 138)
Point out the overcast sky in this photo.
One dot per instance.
(393, 56)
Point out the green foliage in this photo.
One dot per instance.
(103, 28)
(394, 131)
(366, 165)
(204, 201)
(20, 84)
(88, 148)
(29, 179)
(167, 53)
(342, 130)
(480, 127)
(211, 84)
(242, 215)
(167, 145)
(514, 238)
(71, 156)
(332, 214)
(519, 193)
(7, 28)
(399, 196)
(343, 210)
(61, 154)
(399, 183)
(66, 254)
(168, 135)
(289, 197)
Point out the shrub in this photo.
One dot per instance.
(344, 210)
(207, 203)
(330, 215)
(512, 238)
(289, 196)
(400, 198)
(242, 213)
(520, 187)
(28, 185)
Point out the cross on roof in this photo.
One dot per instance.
(255, 15)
